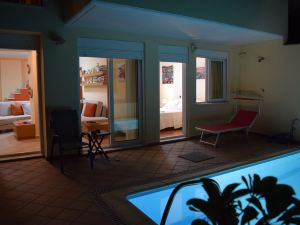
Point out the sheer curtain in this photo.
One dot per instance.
(216, 79)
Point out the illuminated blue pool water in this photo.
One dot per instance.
(152, 203)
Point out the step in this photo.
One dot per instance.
(20, 156)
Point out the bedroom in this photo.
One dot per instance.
(171, 95)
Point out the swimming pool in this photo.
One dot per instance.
(152, 202)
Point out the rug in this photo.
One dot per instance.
(196, 157)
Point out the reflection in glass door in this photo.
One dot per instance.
(124, 99)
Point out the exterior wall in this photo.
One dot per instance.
(60, 72)
(278, 75)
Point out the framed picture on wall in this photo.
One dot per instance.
(121, 71)
(201, 72)
(167, 75)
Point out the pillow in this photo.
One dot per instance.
(17, 109)
(26, 108)
(81, 107)
(99, 109)
(90, 109)
(104, 112)
(99, 104)
(5, 108)
(170, 104)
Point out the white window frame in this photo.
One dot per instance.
(211, 55)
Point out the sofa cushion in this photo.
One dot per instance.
(99, 104)
(81, 107)
(17, 109)
(5, 120)
(95, 119)
(5, 108)
(104, 112)
(99, 109)
(90, 109)
(26, 108)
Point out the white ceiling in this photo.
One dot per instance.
(13, 54)
(121, 18)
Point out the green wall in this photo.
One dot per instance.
(60, 64)
(264, 15)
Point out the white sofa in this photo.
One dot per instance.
(7, 119)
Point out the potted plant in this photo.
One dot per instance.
(261, 202)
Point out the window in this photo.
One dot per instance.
(210, 79)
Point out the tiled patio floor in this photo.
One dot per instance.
(34, 192)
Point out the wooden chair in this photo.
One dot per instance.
(67, 134)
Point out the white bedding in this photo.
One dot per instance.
(171, 115)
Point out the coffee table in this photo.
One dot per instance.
(97, 131)
(88, 126)
(24, 129)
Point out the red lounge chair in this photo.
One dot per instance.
(242, 120)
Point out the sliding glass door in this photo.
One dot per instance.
(120, 84)
(124, 95)
(172, 75)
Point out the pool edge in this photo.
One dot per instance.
(131, 215)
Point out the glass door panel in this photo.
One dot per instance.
(171, 110)
(216, 76)
(125, 100)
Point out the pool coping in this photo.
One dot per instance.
(117, 201)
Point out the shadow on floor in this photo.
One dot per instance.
(34, 191)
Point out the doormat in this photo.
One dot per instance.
(196, 157)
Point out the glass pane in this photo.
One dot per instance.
(125, 78)
(201, 76)
(171, 77)
(216, 82)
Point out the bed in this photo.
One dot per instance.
(171, 115)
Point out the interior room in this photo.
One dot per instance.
(171, 116)
(95, 97)
(19, 115)
(94, 103)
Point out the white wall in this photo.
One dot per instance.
(33, 83)
(12, 73)
(200, 83)
(277, 78)
(171, 91)
(98, 93)
(87, 63)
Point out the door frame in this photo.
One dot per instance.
(176, 54)
(139, 103)
(183, 97)
(31, 41)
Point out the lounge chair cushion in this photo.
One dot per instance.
(244, 118)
